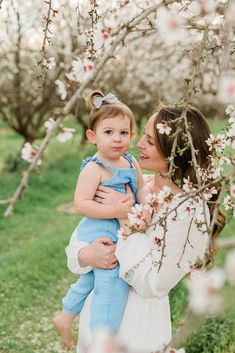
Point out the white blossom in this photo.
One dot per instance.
(49, 63)
(226, 90)
(171, 26)
(203, 289)
(65, 134)
(49, 124)
(136, 216)
(187, 185)
(216, 143)
(61, 89)
(151, 199)
(230, 110)
(81, 70)
(164, 128)
(209, 192)
(228, 203)
(189, 208)
(28, 153)
(164, 195)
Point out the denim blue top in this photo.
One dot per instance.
(121, 176)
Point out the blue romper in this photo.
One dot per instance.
(110, 291)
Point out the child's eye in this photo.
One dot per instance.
(124, 132)
(108, 132)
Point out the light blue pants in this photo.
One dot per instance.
(108, 301)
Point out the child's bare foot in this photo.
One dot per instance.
(63, 323)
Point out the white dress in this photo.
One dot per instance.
(146, 323)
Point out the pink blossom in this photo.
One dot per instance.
(65, 134)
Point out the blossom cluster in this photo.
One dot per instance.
(28, 152)
(204, 286)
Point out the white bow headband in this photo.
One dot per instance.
(109, 98)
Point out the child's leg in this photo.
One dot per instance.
(72, 305)
(78, 292)
(109, 300)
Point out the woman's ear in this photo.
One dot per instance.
(91, 136)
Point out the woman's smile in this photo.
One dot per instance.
(143, 156)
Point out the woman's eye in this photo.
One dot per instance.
(150, 143)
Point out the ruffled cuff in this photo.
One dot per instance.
(72, 251)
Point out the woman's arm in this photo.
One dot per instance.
(87, 184)
(139, 257)
(82, 257)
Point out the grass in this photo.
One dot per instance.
(33, 272)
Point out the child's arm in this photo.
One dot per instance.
(142, 188)
(87, 184)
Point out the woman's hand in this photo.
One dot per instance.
(122, 202)
(99, 254)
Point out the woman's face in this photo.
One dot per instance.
(150, 157)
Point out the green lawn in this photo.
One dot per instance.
(33, 272)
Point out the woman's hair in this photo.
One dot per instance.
(200, 131)
(107, 110)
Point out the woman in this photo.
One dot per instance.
(155, 260)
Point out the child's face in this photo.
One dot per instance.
(112, 136)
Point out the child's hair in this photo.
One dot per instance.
(107, 110)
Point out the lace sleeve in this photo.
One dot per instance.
(72, 251)
(140, 254)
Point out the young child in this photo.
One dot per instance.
(111, 130)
